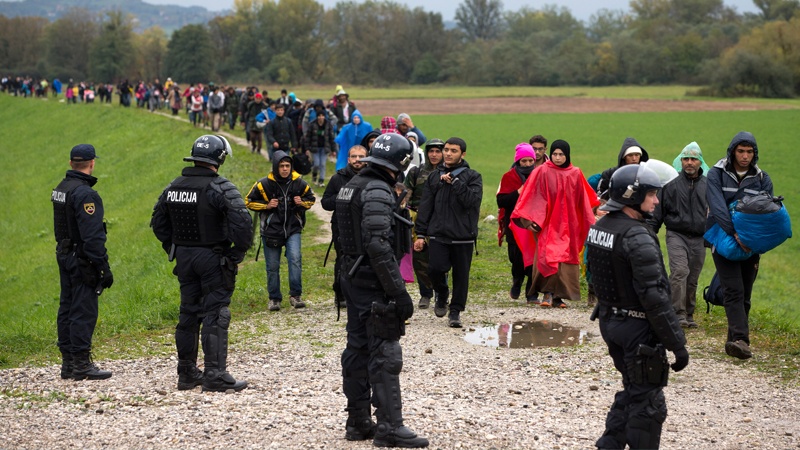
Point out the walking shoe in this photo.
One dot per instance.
(692, 323)
(296, 302)
(559, 303)
(516, 288)
(274, 305)
(738, 349)
(547, 301)
(424, 303)
(683, 323)
(440, 309)
(533, 300)
(454, 319)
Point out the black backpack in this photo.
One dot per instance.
(712, 293)
(301, 163)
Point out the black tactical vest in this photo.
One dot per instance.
(611, 273)
(348, 216)
(194, 222)
(64, 222)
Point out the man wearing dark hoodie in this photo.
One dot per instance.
(282, 199)
(732, 178)
(630, 153)
(447, 222)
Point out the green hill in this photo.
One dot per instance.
(168, 17)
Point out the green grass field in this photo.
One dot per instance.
(141, 152)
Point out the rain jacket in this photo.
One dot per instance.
(560, 201)
(350, 135)
(605, 178)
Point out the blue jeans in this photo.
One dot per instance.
(272, 255)
(320, 158)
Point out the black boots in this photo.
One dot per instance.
(189, 376)
(215, 348)
(360, 426)
(84, 368)
(66, 365)
(215, 380)
(390, 431)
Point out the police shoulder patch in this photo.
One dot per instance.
(89, 208)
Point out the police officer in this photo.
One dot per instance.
(197, 218)
(374, 238)
(82, 263)
(637, 320)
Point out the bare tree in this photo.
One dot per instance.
(480, 19)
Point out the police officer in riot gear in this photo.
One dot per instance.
(374, 238)
(637, 320)
(201, 221)
(82, 263)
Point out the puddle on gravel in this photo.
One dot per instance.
(538, 333)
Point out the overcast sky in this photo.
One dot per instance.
(581, 9)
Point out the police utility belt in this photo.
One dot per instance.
(613, 311)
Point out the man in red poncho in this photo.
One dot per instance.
(555, 212)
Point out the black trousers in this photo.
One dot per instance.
(360, 356)
(737, 279)
(443, 258)
(77, 307)
(518, 269)
(202, 295)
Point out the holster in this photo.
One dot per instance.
(229, 272)
(89, 274)
(650, 366)
(384, 321)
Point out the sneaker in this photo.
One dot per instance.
(515, 290)
(683, 323)
(547, 301)
(558, 303)
(738, 349)
(297, 302)
(274, 305)
(424, 303)
(440, 309)
(534, 300)
(454, 319)
(321, 184)
(692, 323)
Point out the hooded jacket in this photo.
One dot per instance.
(605, 178)
(682, 205)
(724, 185)
(350, 135)
(287, 218)
(449, 212)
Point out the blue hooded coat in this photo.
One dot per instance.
(350, 135)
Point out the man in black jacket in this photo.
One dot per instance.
(82, 263)
(630, 153)
(280, 133)
(682, 208)
(354, 165)
(637, 320)
(201, 221)
(447, 222)
(282, 199)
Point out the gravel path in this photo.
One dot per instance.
(457, 394)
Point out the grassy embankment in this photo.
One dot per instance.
(141, 153)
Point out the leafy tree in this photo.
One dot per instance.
(285, 69)
(480, 19)
(21, 44)
(777, 9)
(151, 47)
(109, 55)
(190, 55)
(68, 41)
(426, 71)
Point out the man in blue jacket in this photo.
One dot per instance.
(732, 178)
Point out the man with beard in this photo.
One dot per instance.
(354, 165)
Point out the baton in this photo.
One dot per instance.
(327, 253)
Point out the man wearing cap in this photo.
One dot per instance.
(682, 208)
(630, 153)
(404, 125)
(82, 263)
(415, 182)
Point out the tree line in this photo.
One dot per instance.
(381, 43)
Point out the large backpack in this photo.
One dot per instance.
(712, 293)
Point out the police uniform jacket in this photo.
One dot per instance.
(203, 209)
(724, 186)
(78, 216)
(627, 267)
(682, 206)
(449, 212)
(287, 218)
(336, 183)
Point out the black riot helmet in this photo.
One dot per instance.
(629, 186)
(392, 151)
(210, 149)
(434, 143)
